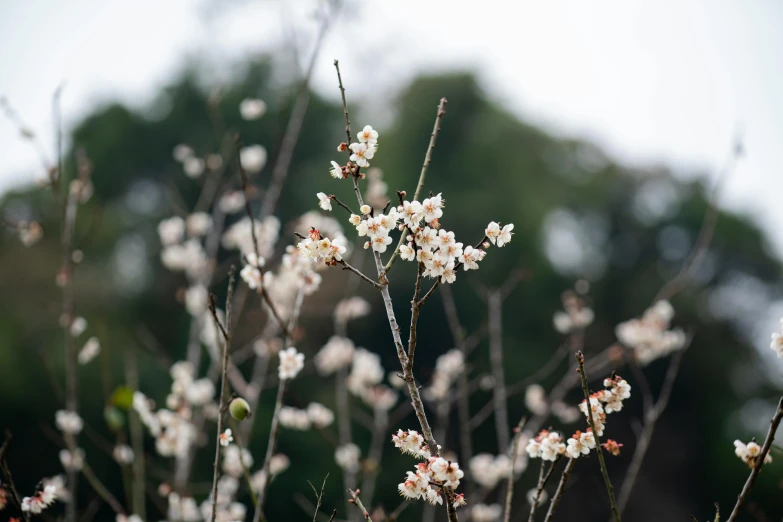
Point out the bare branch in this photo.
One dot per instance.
(560, 490)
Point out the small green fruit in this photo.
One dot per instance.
(239, 409)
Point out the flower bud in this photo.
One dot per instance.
(239, 409)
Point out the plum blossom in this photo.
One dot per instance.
(291, 363)
(324, 201)
(226, 438)
(253, 158)
(750, 452)
(650, 337)
(252, 109)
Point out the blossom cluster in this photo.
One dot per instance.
(488, 470)
(40, 501)
(347, 457)
(447, 368)
(438, 473)
(609, 400)
(575, 315)
(315, 415)
(412, 443)
(547, 445)
(365, 378)
(750, 452)
(650, 336)
(320, 248)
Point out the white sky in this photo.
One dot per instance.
(661, 81)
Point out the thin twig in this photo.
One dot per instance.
(422, 174)
(102, 490)
(356, 271)
(699, 250)
(358, 501)
(743, 496)
(540, 488)
(319, 497)
(609, 488)
(560, 490)
(223, 384)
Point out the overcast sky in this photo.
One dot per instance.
(653, 82)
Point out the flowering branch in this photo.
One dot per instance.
(456, 267)
(609, 488)
(223, 383)
(743, 496)
(427, 158)
(560, 490)
(407, 367)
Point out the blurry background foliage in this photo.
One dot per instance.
(577, 213)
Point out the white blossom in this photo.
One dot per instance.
(171, 230)
(650, 337)
(347, 457)
(226, 438)
(69, 422)
(320, 415)
(232, 202)
(198, 224)
(486, 513)
(78, 326)
(749, 453)
(336, 171)
(294, 418)
(89, 351)
(196, 300)
(324, 201)
(337, 353)
(193, 167)
(253, 158)
(488, 471)
(123, 454)
(291, 363)
(361, 152)
(252, 109)
(367, 135)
